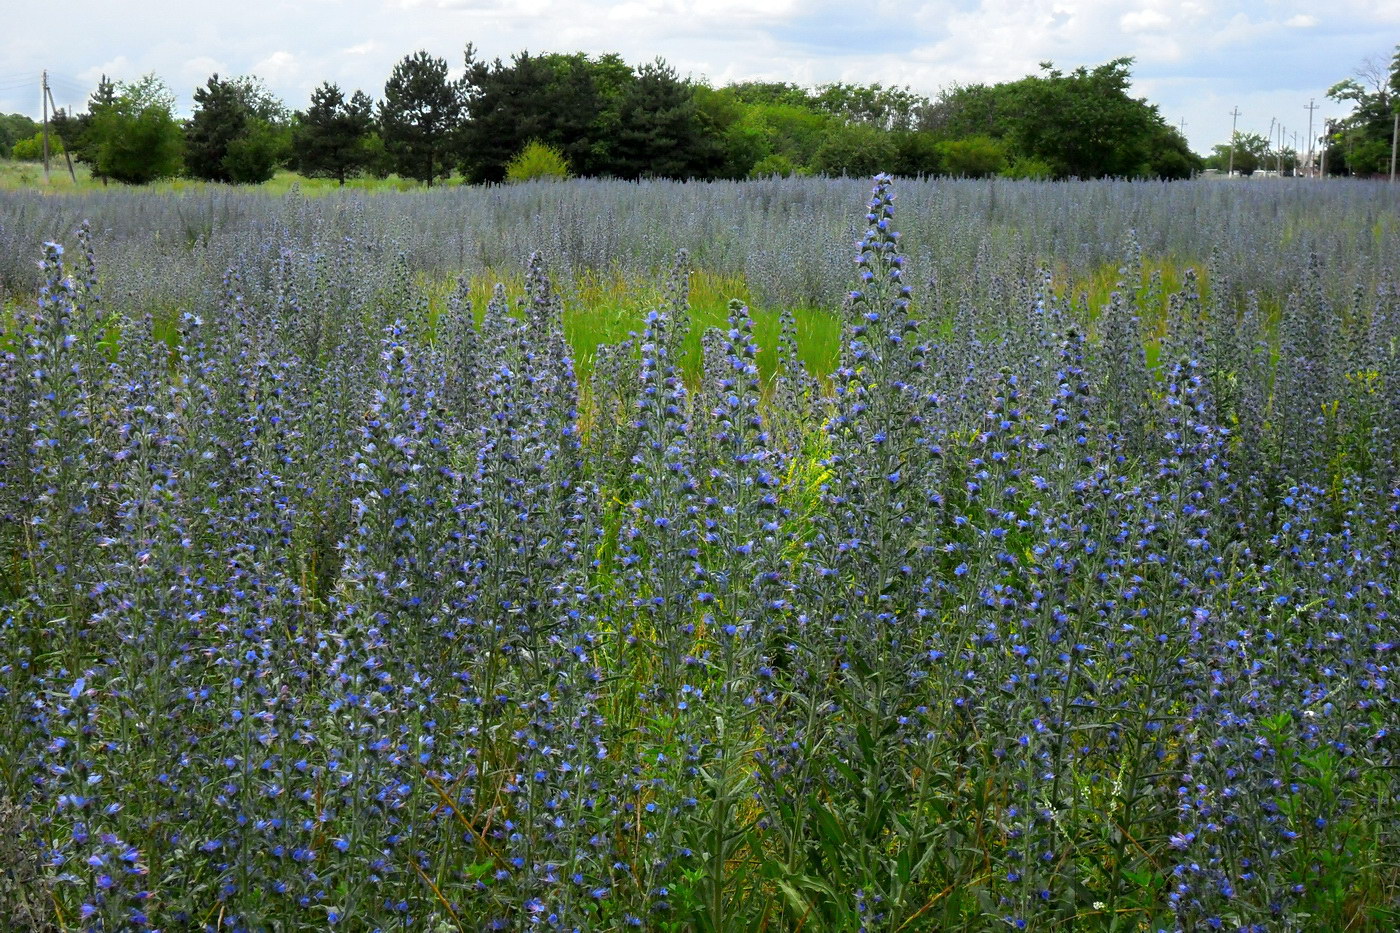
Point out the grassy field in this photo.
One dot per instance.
(29, 176)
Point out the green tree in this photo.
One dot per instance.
(965, 110)
(1170, 155)
(1363, 137)
(253, 157)
(796, 133)
(973, 157)
(32, 149)
(742, 145)
(419, 117)
(1082, 123)
(13, 128)
(567, 102)
(916, 153)
(773, 164)
(76, 128)
(135, 138)
(854, 149)
(661, 134)
(771, 92)
(331, 137)
(886, 108)
(235, 133)
(1251, 153)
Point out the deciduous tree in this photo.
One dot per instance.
(135, 138)
(1364, 135)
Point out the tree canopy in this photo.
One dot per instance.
(234, 134)
(331, 139)
(420, 115)
(15, 127)
(132, 135)
(604, 117)
(1361, 142)
(1083, 124)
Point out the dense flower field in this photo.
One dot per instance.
(329, 600)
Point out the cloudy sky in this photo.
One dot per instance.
(1195, 59)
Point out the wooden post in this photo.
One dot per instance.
(44, 96)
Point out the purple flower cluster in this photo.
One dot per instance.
(329, 603)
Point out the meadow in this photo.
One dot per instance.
(779, 555)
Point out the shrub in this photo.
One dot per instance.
(252, 158)
(32, 149)
(854, 150)
(1029, 167)
(538, 162)
(973, 157)
(774, 163)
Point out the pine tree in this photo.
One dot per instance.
(330, 136)
(233, 135)
(661, 133)
(419, 116)
(219, 118)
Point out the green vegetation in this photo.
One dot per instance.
(1361, 142)
(358, 578)
(1082, 124)
(134, 138)
(239, 132)
(538, 162)
(32, 149)
(331, 139)
(606, 118)
(419, 117)
(13, 128)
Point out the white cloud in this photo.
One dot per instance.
(1144, 21)
(277, 68)
(195, 71)
(1301, 21)
(729, 10)
(114, 68)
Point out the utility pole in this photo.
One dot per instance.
(1394, 139)
(67, 156)
(44, 95)
(1310, 108)
(1235, 119)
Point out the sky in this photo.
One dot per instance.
(1197, 60)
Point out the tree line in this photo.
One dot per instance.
(555, 114)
